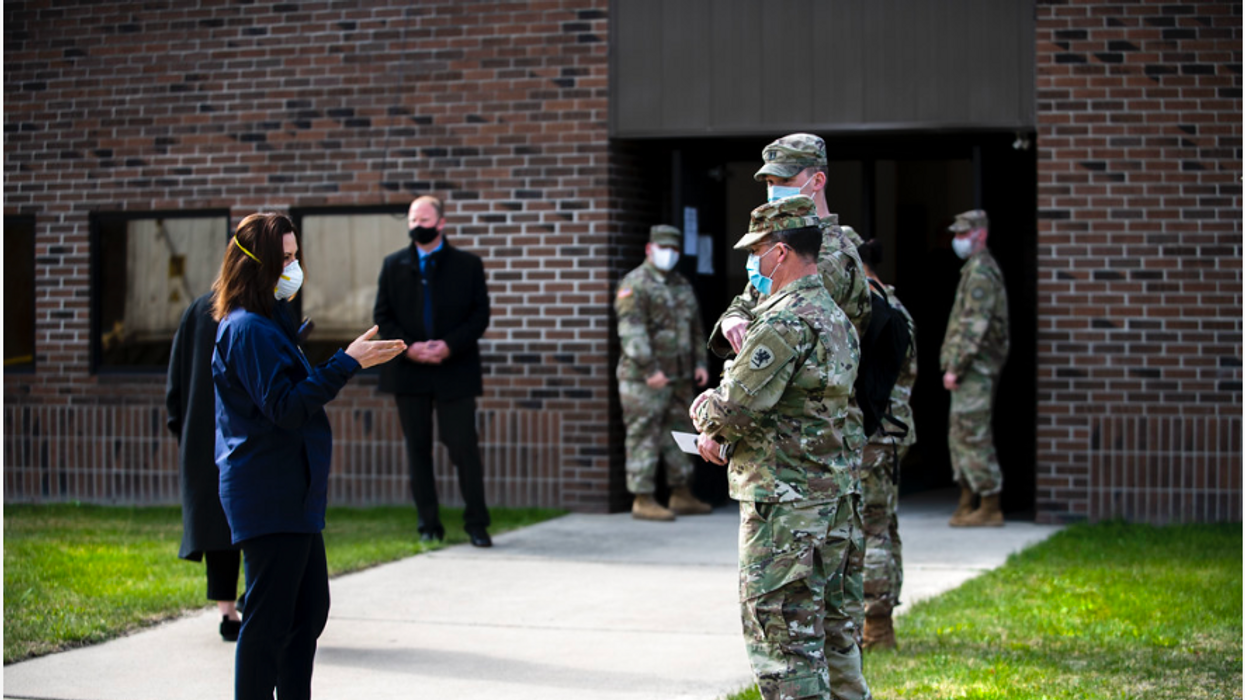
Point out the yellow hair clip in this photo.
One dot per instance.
(244, 250)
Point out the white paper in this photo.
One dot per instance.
(685, 441)
(704, 261)
(691, 229)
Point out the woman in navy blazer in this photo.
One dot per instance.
(273, 446)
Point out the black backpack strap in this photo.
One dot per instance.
(902, 431)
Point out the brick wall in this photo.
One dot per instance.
(501, 108)
(1139, 208)
(498, 107)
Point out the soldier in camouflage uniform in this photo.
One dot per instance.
(973, 352)
(781, 413)
(797, 164)
(662, 340)
(879, 485)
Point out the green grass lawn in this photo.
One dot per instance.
(76, 574)
(1109, 611)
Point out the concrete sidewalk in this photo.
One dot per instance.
(586, 606)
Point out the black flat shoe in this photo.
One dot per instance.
(229, 629)
(480, 538)
(431, 537)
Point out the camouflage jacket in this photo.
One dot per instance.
(901, 395)
(977, 336)
(659, 325)
(850, 234)
(841, 273)
(782, 403)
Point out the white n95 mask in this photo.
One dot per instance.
(290, 282)
(665, 258)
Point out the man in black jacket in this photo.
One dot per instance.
(433, 296)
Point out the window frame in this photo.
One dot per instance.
(298, 214)
(11, 220)
(97, 221)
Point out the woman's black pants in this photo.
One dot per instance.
(287, 605)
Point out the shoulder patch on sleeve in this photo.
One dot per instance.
(761, 358)
(765, 353)
(624, 292)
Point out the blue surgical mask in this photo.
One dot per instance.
(762, 283)
(777, 192)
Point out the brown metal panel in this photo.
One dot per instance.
(1025, 39)
(840, 79)
(950, 64)
(753, 66)
(890, 38)
(636, 81)
(918, 63)
(993, 91)
(785, 38)
(736, 71)
(685, 43)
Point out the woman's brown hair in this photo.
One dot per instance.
(246, 282)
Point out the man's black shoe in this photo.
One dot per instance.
(480, 538)
(431, 537)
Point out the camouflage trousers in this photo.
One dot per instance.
(649, 415)
(883, 576)
(970, 437)
(793, 568)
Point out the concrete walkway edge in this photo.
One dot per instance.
(585, 606)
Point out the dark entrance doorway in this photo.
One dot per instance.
(904, 189)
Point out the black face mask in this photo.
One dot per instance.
(423, 235)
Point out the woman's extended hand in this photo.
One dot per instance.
(368, 352)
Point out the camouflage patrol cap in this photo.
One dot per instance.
(969, 220)
(790, 154)
(665, 234)
(779, 215)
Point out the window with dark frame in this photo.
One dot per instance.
(147, 268)
(19, 293)
(342, 250)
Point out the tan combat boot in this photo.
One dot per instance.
(879, 633)
(988, 515)
(645, 508)
(965, 508)
(682, 502)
